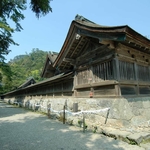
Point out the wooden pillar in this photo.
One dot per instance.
(75, 79)
(116, 71)
(136, 78)
(53, 90)
(75, 82)
(64, 115)
(62, 90)
(116, 75)
(91, 78)
(117, 90)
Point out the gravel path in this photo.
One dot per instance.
(21, 129)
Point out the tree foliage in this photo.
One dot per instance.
(12, 10)
(22, 67)
(40, 7)
(5, 77)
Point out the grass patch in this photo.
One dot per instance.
(146, 141)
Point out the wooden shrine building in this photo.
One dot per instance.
(95, 61)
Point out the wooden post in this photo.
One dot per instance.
(64, 115)
(117, 90)
(107, 116)
(34, 107)
(28, 104)
(48, 110)
(83, 123)
(66, 104)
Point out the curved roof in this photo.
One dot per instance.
(82, 28)
(48, 69)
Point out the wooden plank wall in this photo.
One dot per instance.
(134, 70)
(126, 70)
(131, 68)
(96, 73)
(94, 77)
(58, 89)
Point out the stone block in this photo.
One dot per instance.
(146, 113)
(103, 103)
(146, 146)
(146, 104)
(121, 110)
(116, 134)
(136, 111)
(138, 120)
(145, 135)
(135, 137)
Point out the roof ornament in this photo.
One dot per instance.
(78, 17)
(81, 18)
(78, 36)
(51, 53)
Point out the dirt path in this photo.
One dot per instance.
(21, 129)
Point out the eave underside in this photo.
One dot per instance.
(81, 35)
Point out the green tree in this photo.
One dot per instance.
(21, 68)
(13, 10)
(25, 66)
(5, 78)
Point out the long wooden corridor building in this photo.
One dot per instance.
(95, 61)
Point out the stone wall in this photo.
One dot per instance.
(123, 111)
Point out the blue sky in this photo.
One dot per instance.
(48, 33)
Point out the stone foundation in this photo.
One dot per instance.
(123, 111)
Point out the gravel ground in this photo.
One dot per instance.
(21, 129)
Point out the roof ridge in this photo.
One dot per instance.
(81, 18)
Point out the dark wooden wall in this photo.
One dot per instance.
(57, 89)
(100, 71)
(114, 72)
(134, 70)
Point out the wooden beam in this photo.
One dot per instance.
(102, 83)
(103, 36)
(102, 47)
(67, 46)
(81, 40)
(121, 46)
(70, 60)
(109, 42)
(70, 46)
(136, 43)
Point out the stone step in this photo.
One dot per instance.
(135, 138)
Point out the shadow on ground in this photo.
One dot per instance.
(21, 129)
